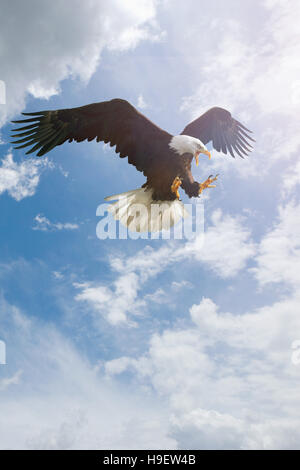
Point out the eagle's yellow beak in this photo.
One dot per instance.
(206, 152)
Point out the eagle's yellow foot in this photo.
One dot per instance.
(175, 185)
(207, 183)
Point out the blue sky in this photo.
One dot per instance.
(151, 343)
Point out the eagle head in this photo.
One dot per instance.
(187, 144)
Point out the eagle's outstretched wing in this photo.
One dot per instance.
(217, 125)
(115, 121)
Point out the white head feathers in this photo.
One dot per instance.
(186, 144)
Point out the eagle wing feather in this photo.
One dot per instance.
(225, 132)
(116, 122)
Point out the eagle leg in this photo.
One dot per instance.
(175, 185)
(207, 183)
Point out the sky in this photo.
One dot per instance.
(144, 344)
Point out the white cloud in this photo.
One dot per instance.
(225, 375)
(44, 224)
(141, 102)
(255, 76)
(117, 366)
(258, 72)
(42, 48)
(159, 296)
(220, 380)
(182, 285)
(8, 381)
(224, 380)
(62, 401)
(227, 245)
(58, 275)
(278, 258)
(116, 302)
(291, 179)
(207, 429)
(231, 379)
(225, 249)
(20, 180)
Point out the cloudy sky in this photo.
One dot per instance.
(151, 343)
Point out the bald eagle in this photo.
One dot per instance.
(164, 159)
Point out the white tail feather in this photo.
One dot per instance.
(137, 210)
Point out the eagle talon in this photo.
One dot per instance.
(175, 185)
(207, 183)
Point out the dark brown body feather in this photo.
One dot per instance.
(134, 135)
